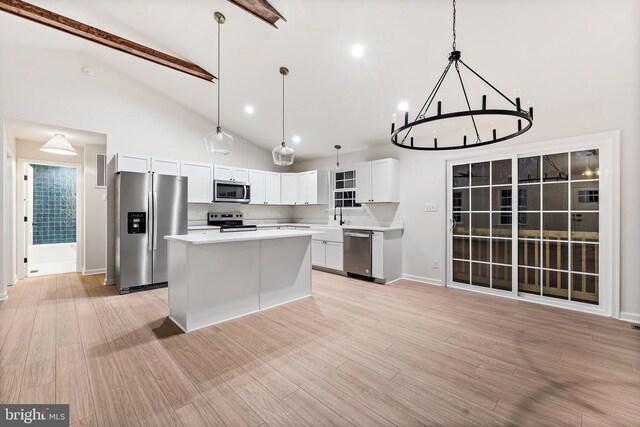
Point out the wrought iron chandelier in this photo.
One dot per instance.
(283, 155)
(401, 136)
(219, 141)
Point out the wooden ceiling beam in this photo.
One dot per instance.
(261, 9)
(96, 35)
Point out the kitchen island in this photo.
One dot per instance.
(221, 276)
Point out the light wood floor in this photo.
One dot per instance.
(353, 354)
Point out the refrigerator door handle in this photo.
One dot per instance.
(150, 215)
(155, 220)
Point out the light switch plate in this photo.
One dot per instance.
(431, 207)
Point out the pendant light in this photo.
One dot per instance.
(283, 155)
(401, 135)
(338, 147)
(59, 144)
(219, 141)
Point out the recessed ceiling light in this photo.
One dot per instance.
(248, 109)
(357, 50)
(296, 139)
(88, 71)
(403, 106)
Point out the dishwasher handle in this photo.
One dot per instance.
(357, 234)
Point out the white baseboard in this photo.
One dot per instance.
(108, 282)
(14, 279)
(3, 296)
(630, 317)
(420, 279)
(93, 272)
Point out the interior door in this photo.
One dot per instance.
(169, 218)
(28, 213)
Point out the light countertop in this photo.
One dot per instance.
(240, 236)
(294, 224)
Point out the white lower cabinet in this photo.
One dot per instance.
(377, 255)
(318, 253)
(333, 256)
(326, 254)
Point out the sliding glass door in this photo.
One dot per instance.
(482, 224)
(558, 246)
(537, 234)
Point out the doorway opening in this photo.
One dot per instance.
(51, 218)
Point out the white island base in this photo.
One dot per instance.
(214, 278)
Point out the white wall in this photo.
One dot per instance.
(95, 211)
(3, 222)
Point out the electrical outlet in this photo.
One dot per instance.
(431, 207)
(436, 264)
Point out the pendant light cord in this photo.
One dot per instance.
(218, 74)
(454, 25)
(283, 109)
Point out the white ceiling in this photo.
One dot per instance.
(38, 132)
(554, 52)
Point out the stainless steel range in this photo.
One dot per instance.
(229, 222)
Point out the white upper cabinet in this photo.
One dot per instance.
(289, 188)
(257, 180)
(240, 175)
(363, 182)
(272, 188)
(313, 188)
(133, 163)
(200, 184)
(223, 173)
(377, 181)
(229, 173)
(302, 189)
(165, 166)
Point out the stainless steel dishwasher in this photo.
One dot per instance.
(357, 252)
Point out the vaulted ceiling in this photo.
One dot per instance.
(554, 52)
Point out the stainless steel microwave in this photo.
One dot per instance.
(231, 192)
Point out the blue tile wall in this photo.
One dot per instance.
(54, 204)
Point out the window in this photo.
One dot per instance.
(588, 196)
(344, 192)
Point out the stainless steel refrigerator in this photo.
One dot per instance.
(148, 208)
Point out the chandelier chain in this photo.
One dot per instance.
(454, 25)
